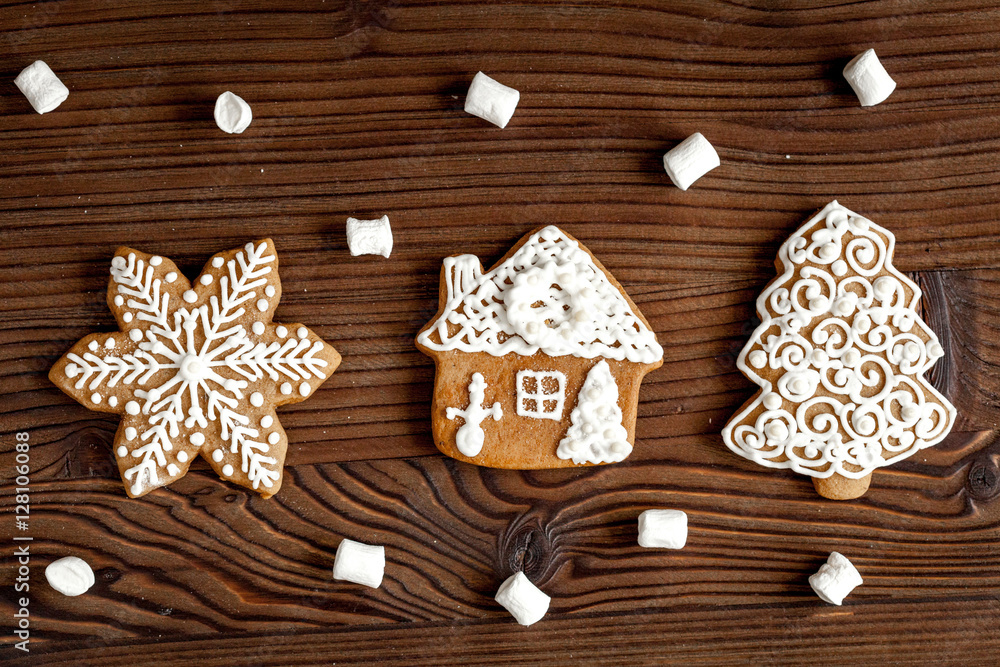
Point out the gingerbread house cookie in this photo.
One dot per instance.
(840, 357)
(197, 369)
(538, 360)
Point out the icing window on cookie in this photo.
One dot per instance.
(541, 394)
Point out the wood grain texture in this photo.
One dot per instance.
(358, 112)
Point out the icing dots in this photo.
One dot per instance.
(190, 296)
(113, 401)
(273, 438)
(281, 331)
(135, 335)
(182, 456)
(95, 398)
(303, 332)
(256, 399)
(262, 305)
(217, 455)
(258, 328)
(170, 277)
(130, 433)
(286, 388)
(227, 470)
(269, 291)
(155, 260)
(266, 421)
(206, 279)
(122, 451)
(840, 353)
(217, 262)
(304, 389)
(119, 300)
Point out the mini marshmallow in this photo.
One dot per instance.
(836, 578)
(525, 602)
(690, 160)
(871, 83)
(232, 113)
(369, 237)
(70, 576)
(663, 529)
(41, 86)
(491, 100)
(361, 563)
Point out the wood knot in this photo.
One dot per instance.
(91, 455)
(524, 546)
(984, 478)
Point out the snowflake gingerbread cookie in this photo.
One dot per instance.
(840, 357)
(538, 360)
(197, 369)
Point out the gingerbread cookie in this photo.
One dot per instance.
(197, 369)
(840, 357)
(539, 360)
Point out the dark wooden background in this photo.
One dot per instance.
(358, 112)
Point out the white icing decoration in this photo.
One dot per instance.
(131, 433)
(256, 399)
(126, 318)
(258, 328)
(155, 260)
(281, 331)
(269, 291)
(113, 401)
(286, 388)
(95, 398)
(109, 343)
(302, 332)
(596, 433)
(541, 394)
(170, 277)
(119, 300)
(266, 421)
(227, 470)
(192, 366)
(134, 334)
(273, 438)
(470, 436)
(304, 389)
(182, 456)
(197, 439)
(190, 296)
(850, 351)
(172, 469)
(92, 346)
(122, 451)
(206, 279)
(262, 305)
(72, 370)
(217, 262)
(217, 455)
(581, 313)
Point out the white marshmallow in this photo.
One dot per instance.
(523, 599)
(41, 86)
(663, 529)
(70, 575)
(871, 83)
(361, 563)
(369, 237)
(836, 578)
(690, 160)
(491, 100)
(232, 113)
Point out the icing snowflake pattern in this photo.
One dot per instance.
(548, 296)
(198, 367)
(841, 335)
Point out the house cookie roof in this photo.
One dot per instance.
(549, 296)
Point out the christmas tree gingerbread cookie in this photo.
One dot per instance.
(197, 369)
(538, 360)
(840, 357)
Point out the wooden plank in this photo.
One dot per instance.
(202, 558)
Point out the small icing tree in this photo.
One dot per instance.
(839, 355)
(595, 433)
